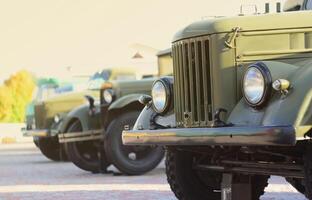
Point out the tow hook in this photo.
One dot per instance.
(217, 121)
(145, 100)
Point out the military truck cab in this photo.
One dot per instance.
(239, 103)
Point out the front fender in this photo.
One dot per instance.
(294, 109)
(148, 119)
(124, 101)
(82, 114)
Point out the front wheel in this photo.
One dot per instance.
(131, 160)
(307, 181)
(188, 183)
(51, 148)
(84, 154)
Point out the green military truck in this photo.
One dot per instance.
(92, 133)
(238, 109)
(50, 107)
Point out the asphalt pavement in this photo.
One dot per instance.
(25, 174)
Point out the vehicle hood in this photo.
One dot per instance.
(143, 86)
(286, 20)
(61, 104)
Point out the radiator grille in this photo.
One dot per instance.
(192, 84)
(41, 121)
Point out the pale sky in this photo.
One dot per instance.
(46, 36)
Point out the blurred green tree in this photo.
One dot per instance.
(6, 104)
(15, 95)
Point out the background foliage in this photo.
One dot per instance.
(15, 94)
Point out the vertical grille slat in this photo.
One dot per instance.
(185, 79)
(209, 98)
(191, 79)
(198, 80)
(205, 80)
(176, 80)
(192, 90)
(180, 50)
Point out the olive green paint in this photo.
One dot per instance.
(282, 41)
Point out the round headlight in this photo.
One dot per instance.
(256, 84)
(161, 95)
(57, 118)
(108, 95)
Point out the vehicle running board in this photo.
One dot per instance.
(80, 136)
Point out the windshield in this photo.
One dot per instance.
(125, 77)
(98, 79)
(293, 5)
(45, 92)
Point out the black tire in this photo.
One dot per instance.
(35, 139)
(85, 154)
(307, 181)
(297, 183)
(190, 184)
(50, 148)
(130, 160)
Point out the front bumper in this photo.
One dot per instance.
(35, 133)
(80, 136)
(231, 136)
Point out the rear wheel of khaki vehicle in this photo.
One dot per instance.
(130, 160)
(188, 183)
(51, 148)
(84, 154)
(35, 140)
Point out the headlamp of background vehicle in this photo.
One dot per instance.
(57, 118)
(257, 83)
(161, 95)
(108, 96)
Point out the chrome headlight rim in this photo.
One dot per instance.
(105, 95)
(267, 90)
(168, 92)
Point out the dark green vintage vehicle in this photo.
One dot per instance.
(238, 108)
(92, 133)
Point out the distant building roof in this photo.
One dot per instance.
(164, 52)
(137, 55)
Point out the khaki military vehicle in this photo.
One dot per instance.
(238, 108)
(49, 112)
